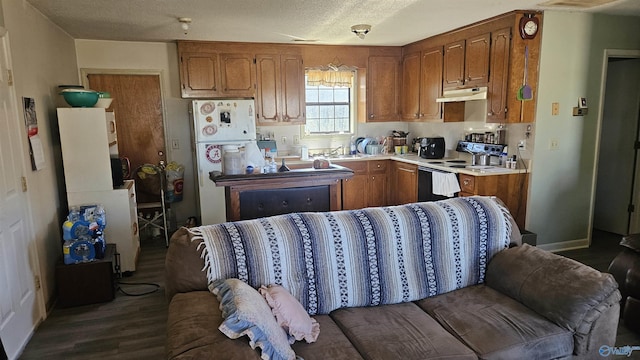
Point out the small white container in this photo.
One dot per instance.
(232, 160)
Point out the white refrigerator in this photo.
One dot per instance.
(217, 123)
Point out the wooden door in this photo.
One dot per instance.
(292, 89)
(453, 75)
(199, 75)
(354, 192)
(268, 88)
(382, 88)
(137, 104)
(237, 75)
(410, 103)
(477, 60)
(431, 84)
(405, 185)
(498, 78)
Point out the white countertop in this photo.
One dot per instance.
(412, 158)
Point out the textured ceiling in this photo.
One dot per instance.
(394, 22)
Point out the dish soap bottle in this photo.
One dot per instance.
(352, 146)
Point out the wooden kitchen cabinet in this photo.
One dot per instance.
(280, 89)
(404, 189)
(512, 189)
(206, 73)
(466, 62)
(377, 182)
(383, 84)
(422, 85)
(498, 79)
(237, 75)
(199, 74)
(453, 74)
(367, 187)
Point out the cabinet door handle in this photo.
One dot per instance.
(466, 182)
(490, 113)
(370, 116)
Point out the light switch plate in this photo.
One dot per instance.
(555, 108)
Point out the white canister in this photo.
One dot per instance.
(232, 160)
(304, 152)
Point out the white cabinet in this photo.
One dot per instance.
(122, 220)
(84, 138)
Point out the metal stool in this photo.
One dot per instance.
(153, 182)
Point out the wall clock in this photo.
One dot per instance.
(528, 26)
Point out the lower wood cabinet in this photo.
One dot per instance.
(404, 188)
(512, 189)
(369, 185)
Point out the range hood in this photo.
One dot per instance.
(477, 93)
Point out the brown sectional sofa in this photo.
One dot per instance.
(529, 304)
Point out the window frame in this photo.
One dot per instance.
(352, 114)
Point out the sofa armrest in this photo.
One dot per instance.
(570, 294)
(183, 265)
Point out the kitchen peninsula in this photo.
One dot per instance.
(251, 196)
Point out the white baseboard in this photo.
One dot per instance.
(565, 245)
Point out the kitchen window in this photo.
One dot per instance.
(329, 102)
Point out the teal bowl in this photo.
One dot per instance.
(80, 98)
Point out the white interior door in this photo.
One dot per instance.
(20, 306)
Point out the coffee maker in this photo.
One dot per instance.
(431, 148)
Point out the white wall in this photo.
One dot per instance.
(573, 44)
(43, 57)
(163, 58)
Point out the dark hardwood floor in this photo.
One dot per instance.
(134, 327)
(129, 327)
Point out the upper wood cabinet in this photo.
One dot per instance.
(280, 89)
(476, 63)
(466, 62)
(209, 74)
(498, 79)
(237, 74)
(383, 83)
(199, 74)
(422, 85)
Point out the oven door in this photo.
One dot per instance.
(425, 185)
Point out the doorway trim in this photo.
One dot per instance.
(608, 54)
(85, 72)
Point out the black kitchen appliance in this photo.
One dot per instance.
(432, 148)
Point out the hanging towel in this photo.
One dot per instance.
(445, 184)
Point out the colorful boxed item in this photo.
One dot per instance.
(82, 233)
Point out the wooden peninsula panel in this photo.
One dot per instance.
(300, 178)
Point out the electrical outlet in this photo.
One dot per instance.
(555, 108)
(284, 140)
(296, 139)
(175, 144)
(553, 144)
(522, 144)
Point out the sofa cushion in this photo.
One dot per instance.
(366, 257)
(497, 327)
(331, 344)
(246, 312)
(569, 293)
(400, 331)
(192, 330)
(183, 265)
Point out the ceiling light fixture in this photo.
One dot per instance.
(361, 30)
(184, 23)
